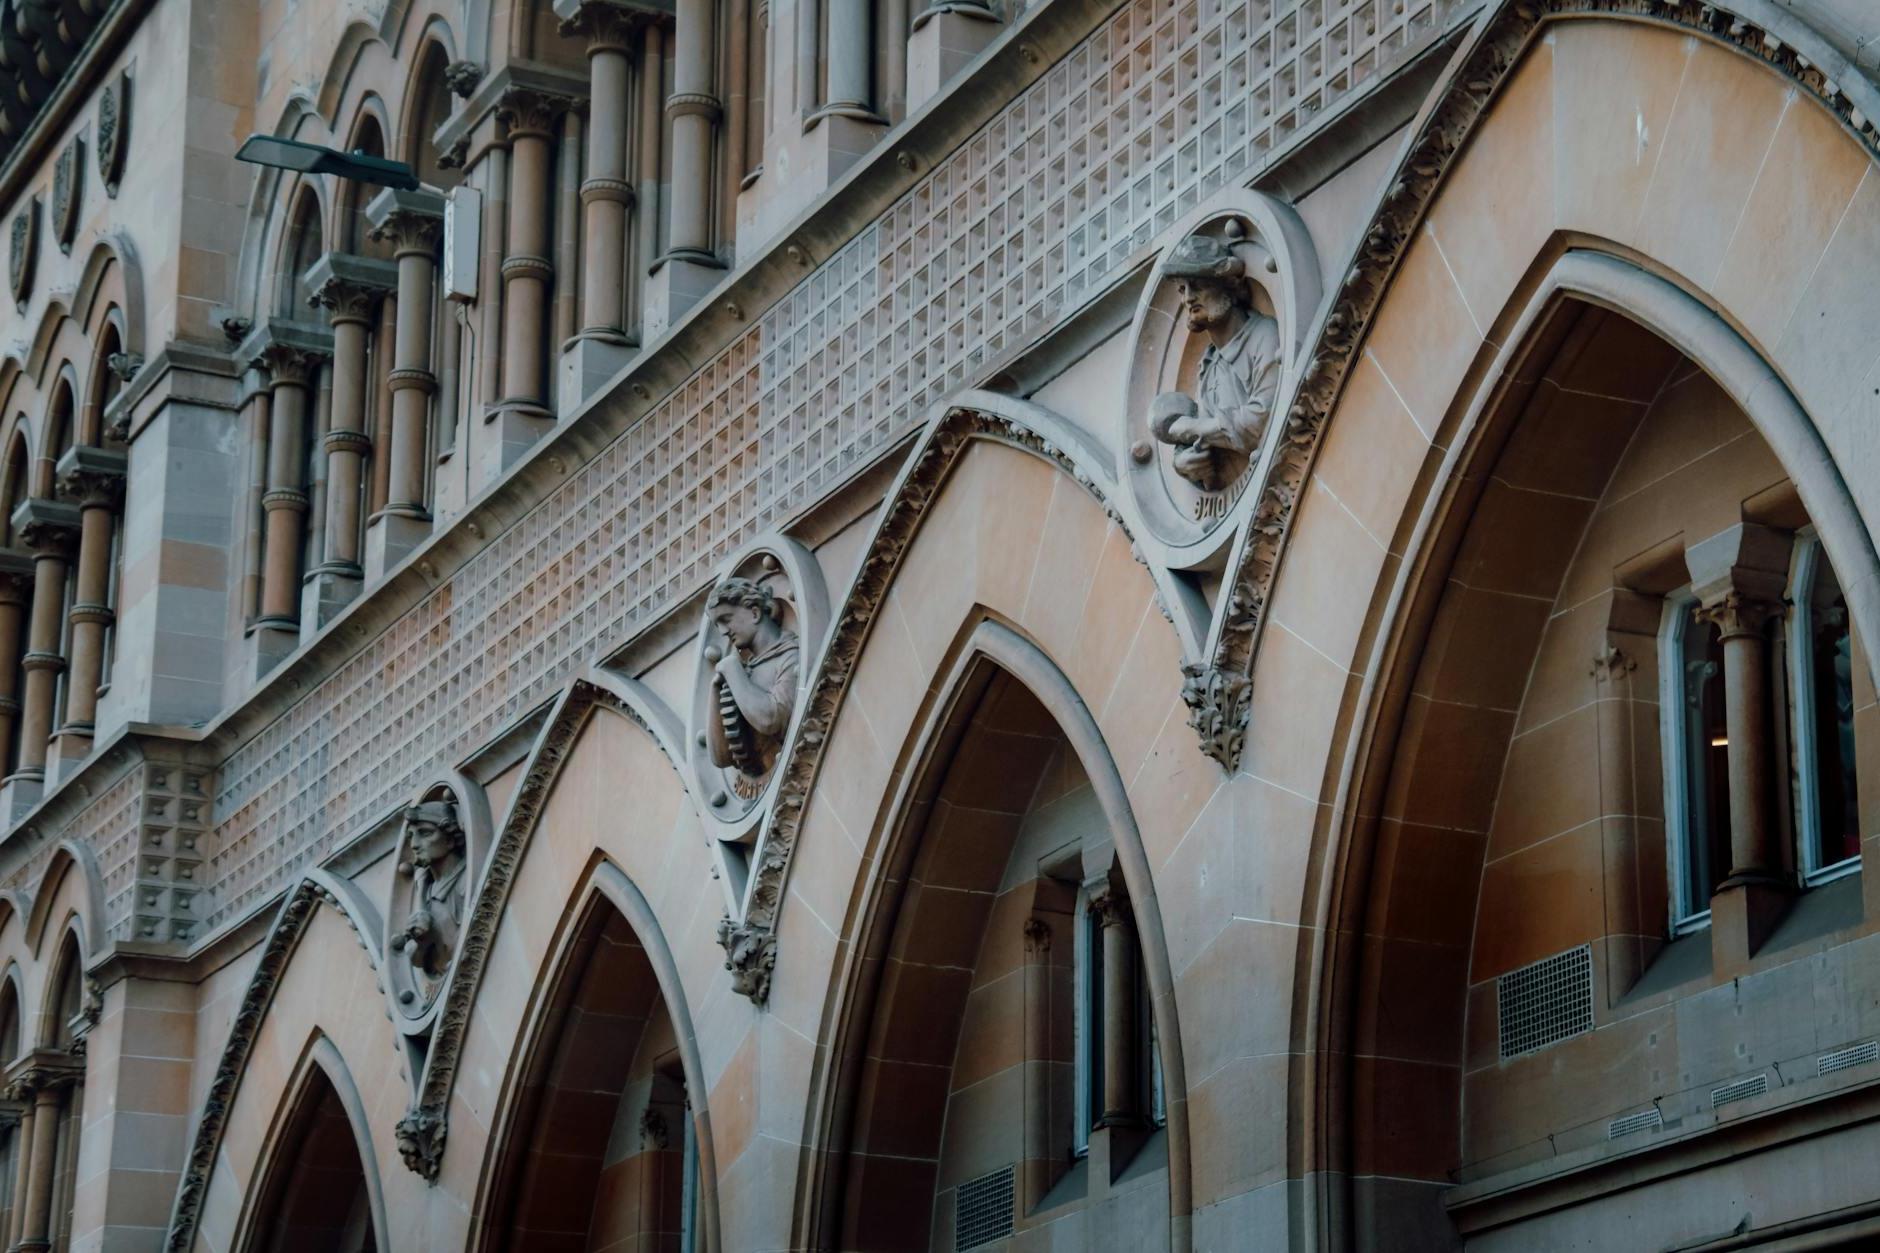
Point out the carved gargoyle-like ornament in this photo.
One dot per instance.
(750, 956)
(420, 1135)
(1215, 352)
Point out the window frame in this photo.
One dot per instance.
(1805, 747)
(1086, 1024)
(1675, 748)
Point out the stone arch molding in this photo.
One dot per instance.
(1218, 690)
(986, 642)
(423, 1130)
(750, 940)
(315, 889)
(321, 1056)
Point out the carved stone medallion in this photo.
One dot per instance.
(767, 607)
(68, 187)
(441, 838)
(1216, 344)
(114, 120)
(23, 253)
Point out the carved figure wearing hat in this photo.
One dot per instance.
(435, 843)
(756, 683)
(1217, 431)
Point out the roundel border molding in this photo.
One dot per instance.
(1218, 690)
(1268, 270)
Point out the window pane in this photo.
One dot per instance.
(1831, 675)
(1707, 777)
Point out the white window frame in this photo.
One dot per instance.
(1674, 742)
(1807, 760)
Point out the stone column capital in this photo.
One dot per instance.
(92, 478)
(1110, 904)
(16, 577)
(606, 26)
(1037, 936)
(288, 366)
(1739, 614)
(531, 112)
(46, 527)
(412, 220)
(349, 287)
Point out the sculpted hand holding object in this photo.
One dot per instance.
(754, 683)
(1216, 433)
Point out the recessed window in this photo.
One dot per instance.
(1088, 1025)
(1821, 679)
(1696, 753)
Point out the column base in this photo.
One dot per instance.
(588, 363)
(270, 640)
(510, 429)
(675, 287)
(70, 747)
(1743, 915)
(941, 46)
(18, 794)
(390, 537)
(329, 589)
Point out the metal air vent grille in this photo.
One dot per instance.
(982, 1210)
(1741, 1090)
(1853, 1055)
(1546, 1002)
(1626, 1124)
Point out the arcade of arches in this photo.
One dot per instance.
(735, 625)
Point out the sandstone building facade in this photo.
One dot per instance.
(1191, 625)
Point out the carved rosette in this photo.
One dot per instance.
(68, 179)
(23, 251)
(114, 119)
(1209, 376)
(762, 618)
(442, 840)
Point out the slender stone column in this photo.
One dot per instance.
(1755, 852)
(49, 530)
(16, 593)
(527, 269)
(693, 111)
(851, 90)
(603, 344)
(648, 144)
(1119, 1009)
(93, 480)
(22, 1168)
(414, 222)
(689, 267)
(350, 289)
(606, 195)
(36, 1227)
(284, 504)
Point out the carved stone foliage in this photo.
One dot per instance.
(23, 250)
(768, 604)
(750, 956)
(441, 835)
(1216, 341)
(68, 192)
(114, 122)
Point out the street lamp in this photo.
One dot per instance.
(304, 158)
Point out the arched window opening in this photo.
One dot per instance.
(16, 591)
(1006, 1080)
(602, 1153)
(315, 1197)
(50, 1122)
(300, 248)
(354, 232)
(12, 1115)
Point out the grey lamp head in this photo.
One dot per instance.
(305, 158)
